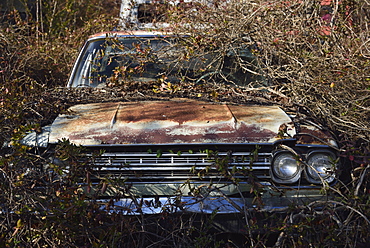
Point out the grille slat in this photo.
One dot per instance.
(142, 166)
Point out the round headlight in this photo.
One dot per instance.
(321, 166)
(285, 168)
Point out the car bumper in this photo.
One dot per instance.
(269, 201)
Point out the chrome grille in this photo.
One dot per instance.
(169, 166)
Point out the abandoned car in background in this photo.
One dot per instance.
(186, 154)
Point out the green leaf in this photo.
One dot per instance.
(159, 153)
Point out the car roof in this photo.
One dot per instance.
(136, 33)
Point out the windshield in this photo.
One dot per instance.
(106, 62)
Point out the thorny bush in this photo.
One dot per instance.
(314, 53)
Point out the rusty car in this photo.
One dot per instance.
(182, 154)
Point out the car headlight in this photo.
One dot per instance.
(321, 166)
(285, 168)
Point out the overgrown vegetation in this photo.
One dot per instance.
(316, 57)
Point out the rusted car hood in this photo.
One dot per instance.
(163, 122)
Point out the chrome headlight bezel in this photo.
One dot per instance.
(316, 174)
(285, 168)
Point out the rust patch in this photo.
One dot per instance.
(214, 134)
(177, 121)
(179, 112)
(312, 135)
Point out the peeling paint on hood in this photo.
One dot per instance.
(166, 122)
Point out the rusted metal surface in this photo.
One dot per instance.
(315, 136)
(164, 122)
